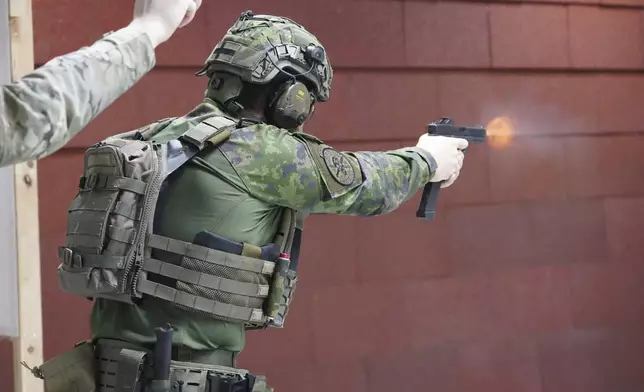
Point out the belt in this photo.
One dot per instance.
(180, 354)
(121, 367)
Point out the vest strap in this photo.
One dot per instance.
(205, 280)
(211, 131)
(203, 253)
(201, 304)
(74, 260)
(200, 134)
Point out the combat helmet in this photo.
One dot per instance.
(257, 49)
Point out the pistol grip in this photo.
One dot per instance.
(427, 207)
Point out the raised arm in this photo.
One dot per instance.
(43, 110)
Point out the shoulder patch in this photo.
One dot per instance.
(339, 170)
(338, 165)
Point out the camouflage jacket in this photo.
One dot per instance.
(42, 111)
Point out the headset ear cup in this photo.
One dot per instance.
(291, 105)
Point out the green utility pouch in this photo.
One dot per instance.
(111, 218)
(72, 371)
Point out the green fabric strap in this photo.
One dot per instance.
(130, 369)
(75, 260)
(203, 253)
(114, 183)
(193, 302)
(206, 131)
(205, 280)
(92, 234)
(103, 205)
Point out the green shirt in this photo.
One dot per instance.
(238, 190)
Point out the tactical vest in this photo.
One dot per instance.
(111, 245)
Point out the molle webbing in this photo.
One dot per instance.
(123, 367)
(116, 366)
(253, 317)
(198, 303)
(210, 255)
(201, 304)
(71, 259)
(205, 280)
(111, 183)
(112, 215)
(92, 233)
(112, 251)
(102, 205)
(204, 254)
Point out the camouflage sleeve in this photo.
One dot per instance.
(302, 173)
(46, 108)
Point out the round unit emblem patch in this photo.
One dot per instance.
(339, 166)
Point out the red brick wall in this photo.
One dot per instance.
(530, 279)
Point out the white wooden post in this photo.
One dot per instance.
(21, 316)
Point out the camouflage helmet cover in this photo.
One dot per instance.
(257, 48)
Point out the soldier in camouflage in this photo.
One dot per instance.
(249, 178)
(43, 110)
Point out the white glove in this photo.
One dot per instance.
(448, 154)
(159, 19)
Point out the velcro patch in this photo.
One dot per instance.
(339, 171)
(338, 165)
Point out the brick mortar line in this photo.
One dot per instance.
(412, 141)
(539, 2)
(527, 202)
(518, 202)
(77, 149)
(488, 70)
(429, 69)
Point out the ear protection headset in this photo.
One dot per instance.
(292, 102)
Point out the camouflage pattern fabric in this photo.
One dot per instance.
(301, 172)
(42, 111)
(257, 47)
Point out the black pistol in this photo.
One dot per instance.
(444, 127)
(162, 358)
